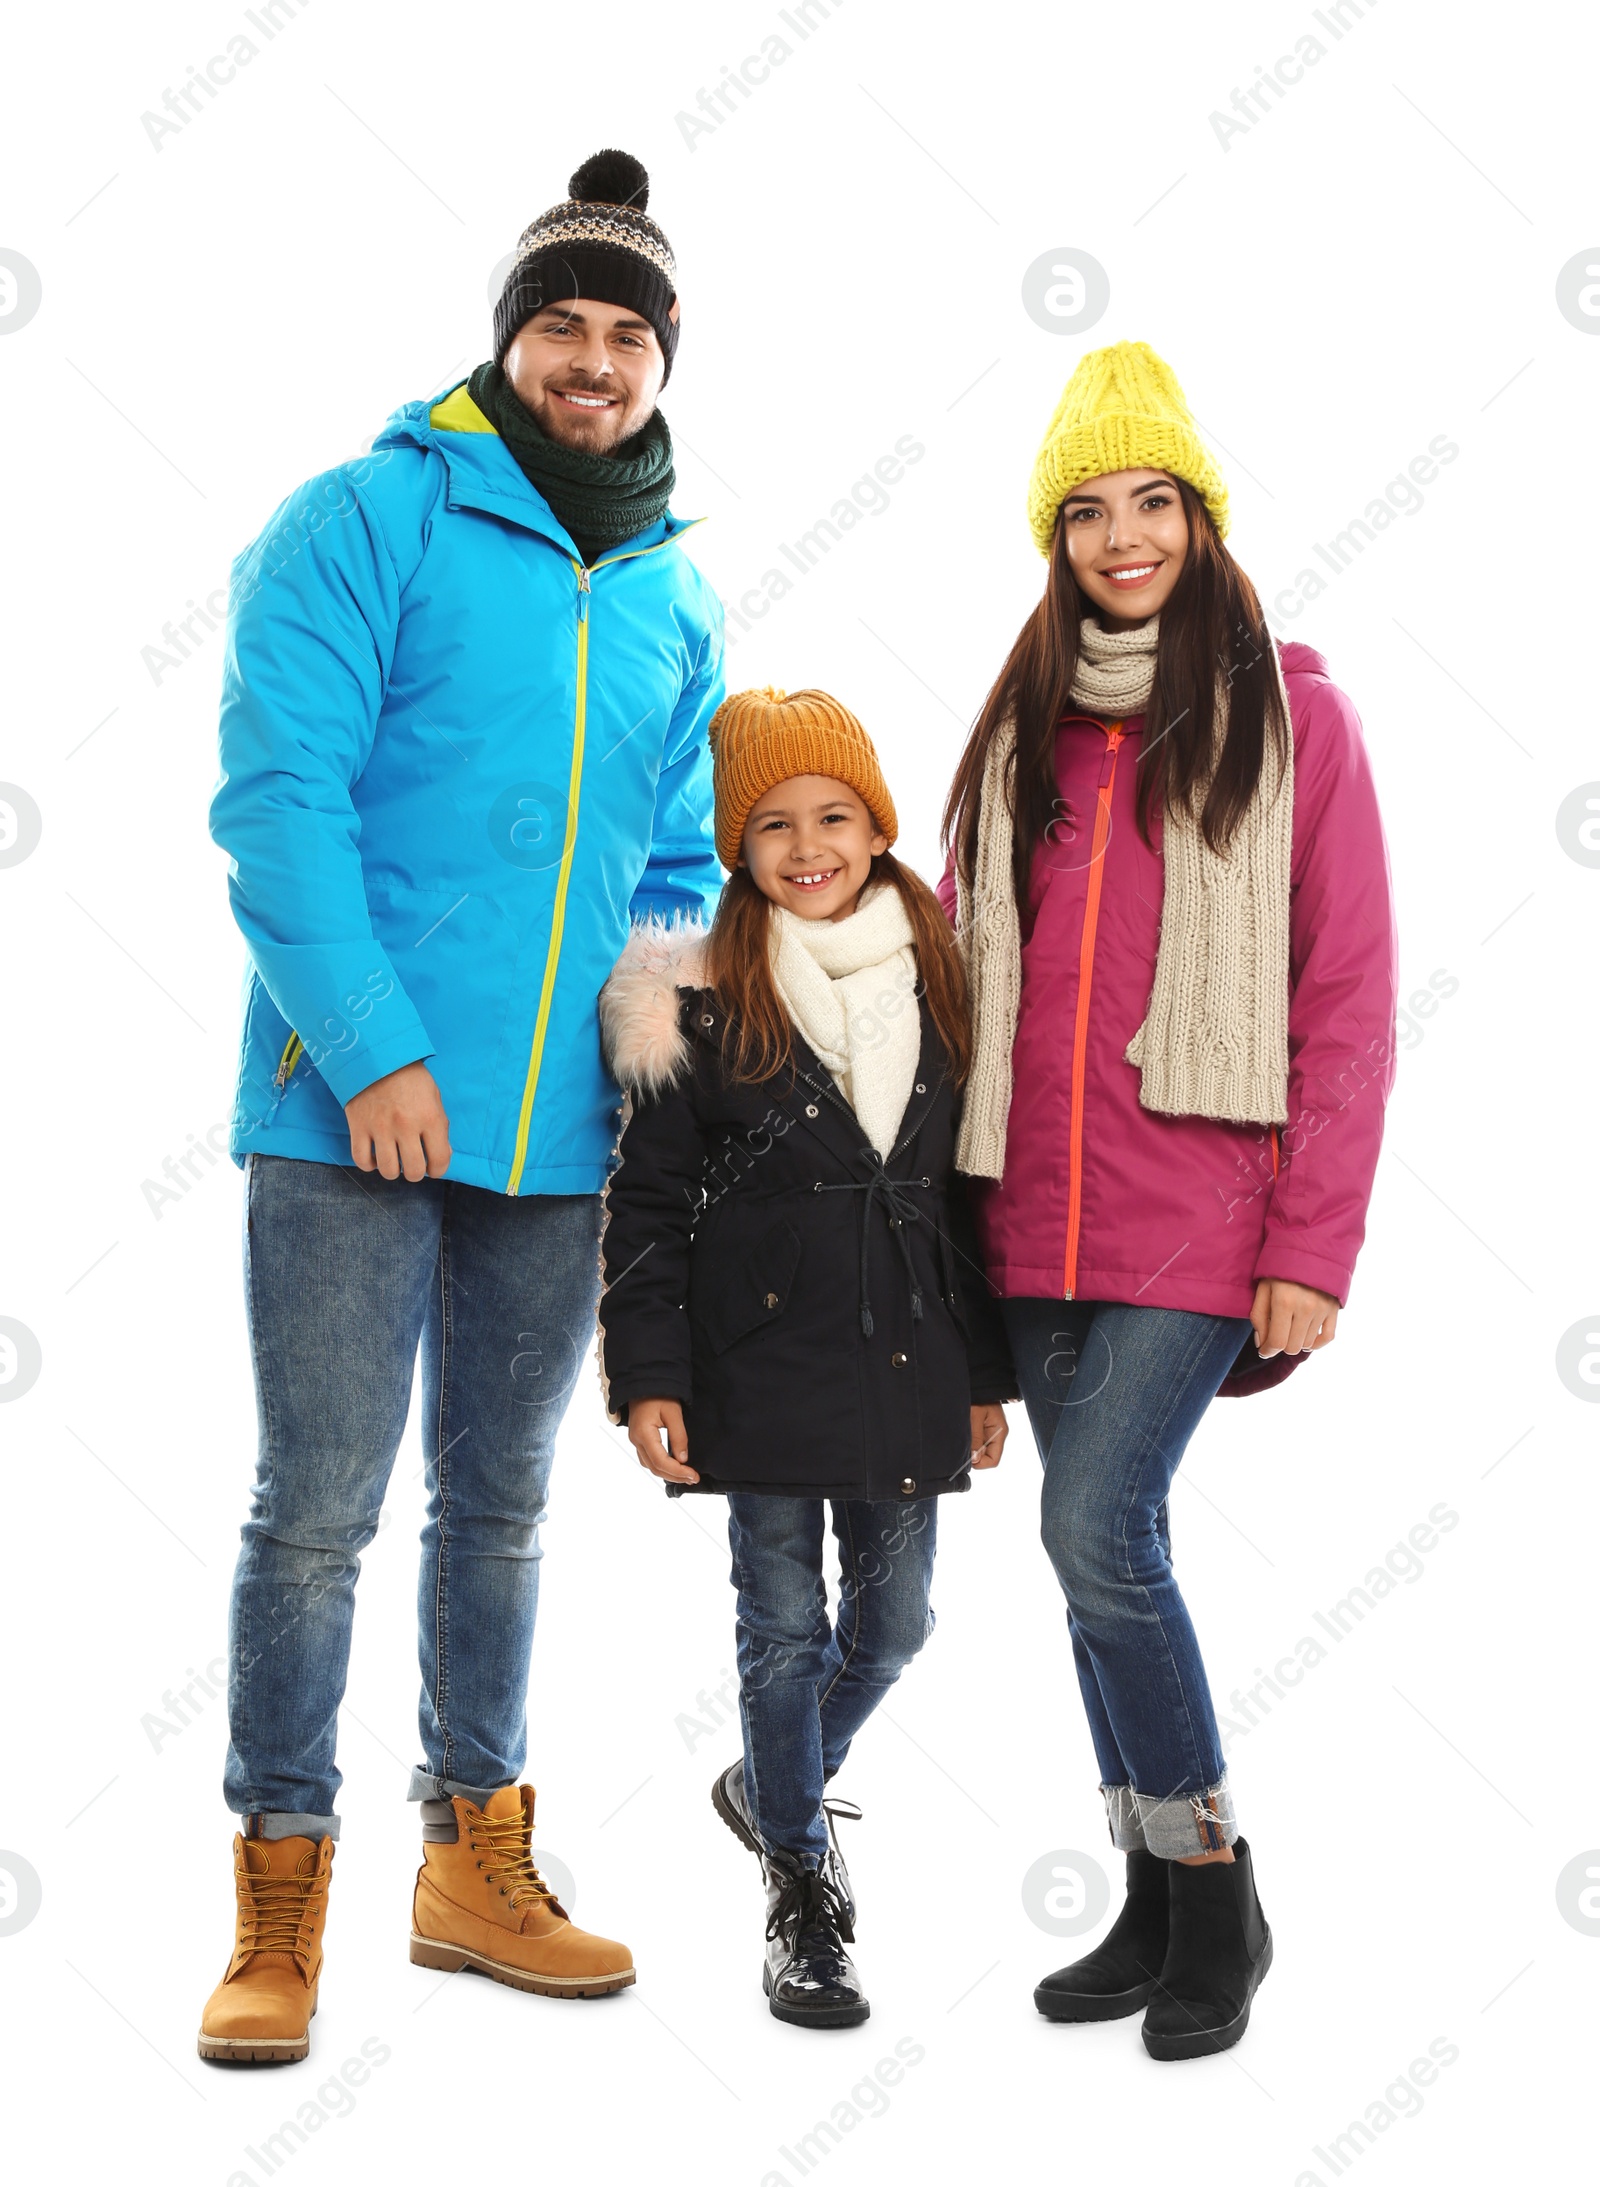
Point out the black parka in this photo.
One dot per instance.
(821, 1315)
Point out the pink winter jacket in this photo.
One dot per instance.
(1103, 1199)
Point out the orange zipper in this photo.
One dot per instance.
(1080, 1030)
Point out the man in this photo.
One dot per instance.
(463, 746)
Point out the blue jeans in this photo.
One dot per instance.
(346, 1273)
(806, 1686)
(1113, 1395)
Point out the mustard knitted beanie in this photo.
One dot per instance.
(1122, 410)
(764, 737)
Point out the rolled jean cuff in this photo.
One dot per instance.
(1122, 1818)
(425, 1786)
(291, 1826)
(1181, 1824)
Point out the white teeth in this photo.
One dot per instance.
(809, 880)
(1126, 577)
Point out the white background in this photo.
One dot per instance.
(1372, 264)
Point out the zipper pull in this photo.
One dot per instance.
(583, 594)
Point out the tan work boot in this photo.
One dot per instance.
(481, 1903)
(260, 2012)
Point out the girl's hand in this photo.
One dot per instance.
(988, 1436)
(651, 1418)
(1291, 1317)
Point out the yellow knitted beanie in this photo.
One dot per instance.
(1122, 410)
(761, 738)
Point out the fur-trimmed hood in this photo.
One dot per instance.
(641, 1004)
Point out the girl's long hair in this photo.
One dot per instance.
(1212, 629)
(739, 971)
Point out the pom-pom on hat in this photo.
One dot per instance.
(1122, 410)
(763, 737)
(597, 243)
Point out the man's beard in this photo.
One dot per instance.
(598, 433)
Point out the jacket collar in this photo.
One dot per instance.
(815, 1103)
(482, 473)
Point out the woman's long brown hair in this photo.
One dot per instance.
(739, 970)
(1212, 629)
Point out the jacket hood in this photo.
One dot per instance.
(640, 1005)
(1301, 660)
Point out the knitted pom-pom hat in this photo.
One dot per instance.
(1122, 410)
(763, 737)
(597, 244)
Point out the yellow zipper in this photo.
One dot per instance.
(569, 845)
(295, 1049)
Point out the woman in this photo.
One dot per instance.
(789, 1318)
(1172, 896)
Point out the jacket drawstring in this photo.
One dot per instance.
(900, 1208)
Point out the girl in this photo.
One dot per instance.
(1172, 897)
(790, 1285)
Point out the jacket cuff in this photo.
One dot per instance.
(626, 1389)
(348, 1075)
(1282, 1261)
(994, 1390)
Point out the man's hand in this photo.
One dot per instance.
(398, 1126)
(988, 1435)
(651, 1418)
(1291, 1317)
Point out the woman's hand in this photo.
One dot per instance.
(988, 1436)
(1291, 1317)
(651, 1418)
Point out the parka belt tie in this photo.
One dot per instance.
(894, 1194)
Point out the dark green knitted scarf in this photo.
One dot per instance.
(601, 500)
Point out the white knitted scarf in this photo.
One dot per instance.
(850, 987)
(1215, 1037)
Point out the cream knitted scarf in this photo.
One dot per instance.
(850, 987)
(1215, 1037)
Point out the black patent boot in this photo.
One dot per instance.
(808, 1977)
(728, 1798)
(1116, 1978)
(1219, 1948)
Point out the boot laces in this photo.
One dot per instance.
(508, 1842)
(836, 1812)
(808, 1899)
(274, 1911)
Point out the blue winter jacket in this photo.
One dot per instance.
(456, 764)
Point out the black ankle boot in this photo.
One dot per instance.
(808, 1977)
(1118, 1975)
(1218, 1951)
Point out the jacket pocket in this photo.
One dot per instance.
(756, 1292)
